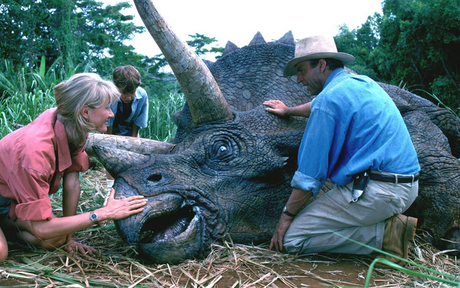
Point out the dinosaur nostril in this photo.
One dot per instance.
(154, 178)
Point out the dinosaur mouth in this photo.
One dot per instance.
(167, 227)
(169, 230)
(172, 238)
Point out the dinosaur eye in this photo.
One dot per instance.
(221, 150)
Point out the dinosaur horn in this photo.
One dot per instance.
(132, 144)
(201, 91)
(116, 161)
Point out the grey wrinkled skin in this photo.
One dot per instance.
(231, 175)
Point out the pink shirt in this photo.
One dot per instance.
(33, 160)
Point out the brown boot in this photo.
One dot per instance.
(399, 230)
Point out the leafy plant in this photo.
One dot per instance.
(23, 108)
(161, 110)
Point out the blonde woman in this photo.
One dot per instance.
(36, 159)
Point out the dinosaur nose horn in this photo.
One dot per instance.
(133, 144)
(201, 91)
(116, 161)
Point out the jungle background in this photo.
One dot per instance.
(413, 44)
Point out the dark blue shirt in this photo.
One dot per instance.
(354, 125)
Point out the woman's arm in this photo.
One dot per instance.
(70, 193)
(114, 210)
(70, 198)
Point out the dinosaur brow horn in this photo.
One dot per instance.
(201, 91)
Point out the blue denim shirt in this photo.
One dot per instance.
(139, 114)
(354, 125)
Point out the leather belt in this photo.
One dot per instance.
(393, 178)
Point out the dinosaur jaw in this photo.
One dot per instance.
(174, 237)
(169, 230)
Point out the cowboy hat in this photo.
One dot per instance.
(316, 47)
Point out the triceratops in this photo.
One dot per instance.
(229, 167)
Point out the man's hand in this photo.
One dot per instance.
(276, 107)
(281, 228)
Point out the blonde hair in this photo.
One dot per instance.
(80, 90)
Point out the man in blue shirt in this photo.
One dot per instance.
(131, 112)
(356, 137)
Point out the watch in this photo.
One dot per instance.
(285, 211)
(93, 217)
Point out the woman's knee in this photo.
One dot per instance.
(3, 247)
(54, 243)
(48, 244)
(3, 253)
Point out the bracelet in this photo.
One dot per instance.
(285, 211)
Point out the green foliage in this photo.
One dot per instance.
(415, 41)
(156, 79)
(23, 108)
(161, 125)
(25, 95)
(362, 43)
(78, 32)
(200, 41)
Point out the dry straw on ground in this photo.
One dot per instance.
(227, 265)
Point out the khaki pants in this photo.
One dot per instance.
(312, 229)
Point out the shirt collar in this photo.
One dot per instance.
(332, 75)
(137, 95)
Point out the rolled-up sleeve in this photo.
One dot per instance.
(35, 210)
(306, 183)
(80, 163)
(30, 189)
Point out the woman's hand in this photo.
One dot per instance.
(281, 228)
(73, 246)
(117, 209)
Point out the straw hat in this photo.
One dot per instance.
(316, 47)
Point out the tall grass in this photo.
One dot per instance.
(161, 126)
(26, 93)
(23, 108)
(440, 103)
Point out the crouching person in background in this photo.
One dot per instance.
(131, 111)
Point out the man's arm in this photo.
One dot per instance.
(279, 108)
(296, 201)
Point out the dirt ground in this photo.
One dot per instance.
(301, 273)
(227, 265)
